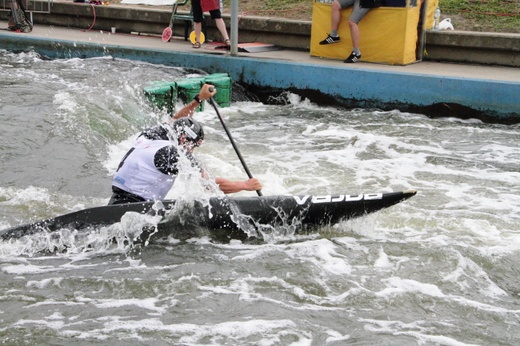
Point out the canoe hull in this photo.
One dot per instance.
(238, 216)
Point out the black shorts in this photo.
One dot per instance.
(123, 197)
(197, 12)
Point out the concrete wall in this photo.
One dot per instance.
(474, 47)
(436, 96)
(453, 46)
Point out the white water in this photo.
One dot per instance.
(438, 269)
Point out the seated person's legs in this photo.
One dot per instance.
(336, 8)
(357, 14)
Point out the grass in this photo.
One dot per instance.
(467, 15)
(484, 15)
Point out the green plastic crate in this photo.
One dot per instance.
(222, 81)
(162, 94)
(188, 88)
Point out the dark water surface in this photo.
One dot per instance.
(439, 269)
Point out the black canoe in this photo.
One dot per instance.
(231, 215)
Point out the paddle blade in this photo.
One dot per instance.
(167, 34)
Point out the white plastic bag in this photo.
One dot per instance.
(445, 24)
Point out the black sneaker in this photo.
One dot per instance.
(329, 40)
(352, 58)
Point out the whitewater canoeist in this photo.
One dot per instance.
(148, 170)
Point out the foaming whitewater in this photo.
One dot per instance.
(438, 269)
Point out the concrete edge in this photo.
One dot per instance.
(436, 96)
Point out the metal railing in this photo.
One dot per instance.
(31, 6)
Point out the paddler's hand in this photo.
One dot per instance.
(207, 91)
(252, 184)
(228, 186)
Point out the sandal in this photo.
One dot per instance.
(196, 45)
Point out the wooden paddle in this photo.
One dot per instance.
(213, 103)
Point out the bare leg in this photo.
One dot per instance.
(335, 15)
(354, 34)
(221, 26)
(335, 18)
(198, 29)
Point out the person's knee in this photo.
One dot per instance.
(352, 24)
(336, 6)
